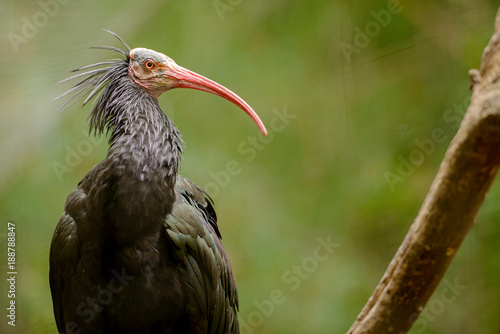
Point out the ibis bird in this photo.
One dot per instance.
(138, 249)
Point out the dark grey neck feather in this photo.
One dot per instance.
(144, 156)
(138, 126)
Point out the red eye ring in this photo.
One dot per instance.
(149, 64)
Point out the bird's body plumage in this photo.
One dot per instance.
(138, 249)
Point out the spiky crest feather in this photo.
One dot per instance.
(103, 82)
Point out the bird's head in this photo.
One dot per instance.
(154, 72)
(157, 73)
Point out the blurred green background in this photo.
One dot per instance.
(363, 85)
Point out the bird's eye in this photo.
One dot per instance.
(149, 64)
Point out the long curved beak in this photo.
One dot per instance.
(185, 78)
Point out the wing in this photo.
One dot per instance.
(192, 227)
(64, 253)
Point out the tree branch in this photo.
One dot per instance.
(449, 210)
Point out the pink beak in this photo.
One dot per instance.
(189, 79)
